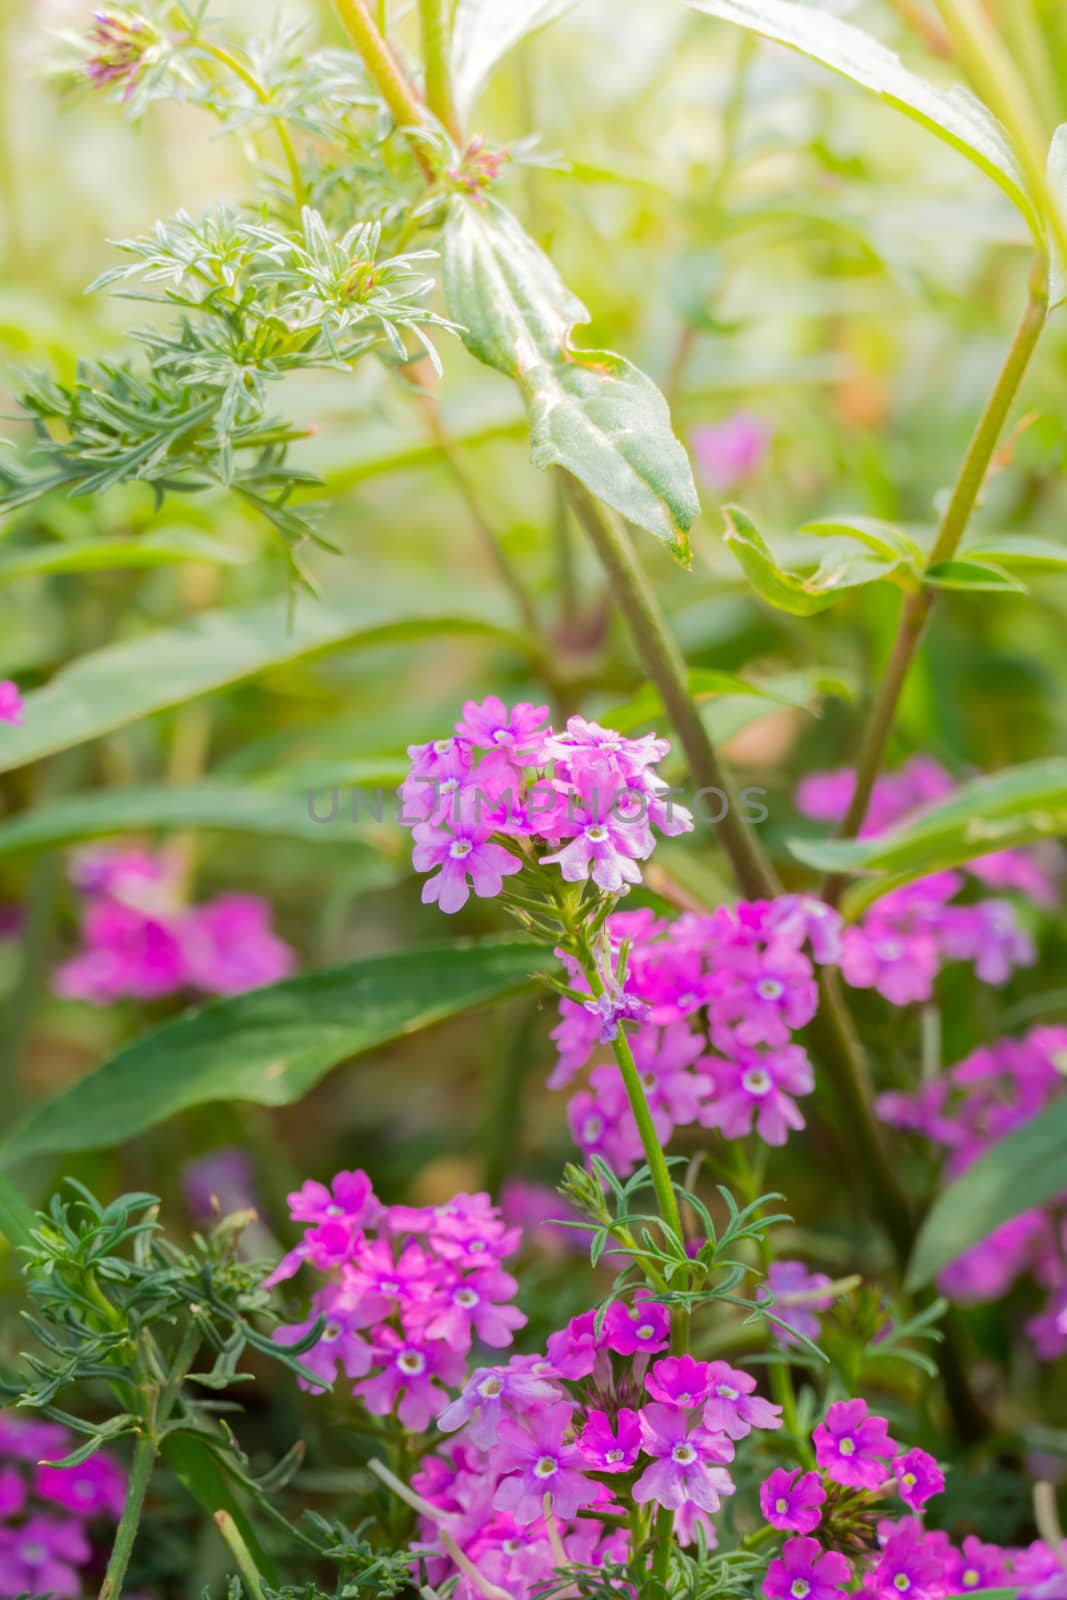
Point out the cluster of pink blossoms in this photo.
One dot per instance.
(141, 942)
(968, 1109)
(46, 1513)
(408, 1290)
(603, 1418)
(911, 933)
(842, 1503)
(717, 999)
(482, 802)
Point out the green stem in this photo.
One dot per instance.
(407, 109)
(665, 666)
(144, 1457)
(239, 70)
(435, 20)
(242, 1555)
(917, 606)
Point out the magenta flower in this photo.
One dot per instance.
(607, 1449)
(911, 1565)
(851, 1446)
(679, 1381)
(792, 1501)
(573, 1350)
(732, 1406)
(348, 1196)
(42, 1557)
(13, 1492)
(468, 853)
(687, 1461)
(93, 1488)
(727, 453)
(489, 1395)
(521, 731)
(339, 1345)
(605, 841)
(409, 1383)
(918, 1477)
(644, 1325)
(229, 947)
(602, 1122)
(757, 1088)
(975, 1566)
(804, 1572)
(472, 1307)
(538, 1460)
(11, 707)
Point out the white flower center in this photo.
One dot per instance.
(800, 1588)
(477, 1246)
(390, 1287)
(725, 1392)
(32, 1554)
(756, 1080)
(335, 1211)
(596, 833)
(683, 1454)
(847, 1446)
(646, 1331)
(890, 950)
(412, 1362)
(460, 849)
(770, 989)
(330, 1333)
(546, 1467)
(442, 747)
(592, 1128)
(614, 1455)
(465, 1298)
(781, 1507)
(489, 1388)
(902, 1582)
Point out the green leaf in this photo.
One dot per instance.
(272, 1045)
(1056, 177)
(997, 811)
(107, 555)
(122, 682)
(788, 591)
(225, 807)
(200, 1474)
(954, 115)
(1022, 552)
(965, 572)
(881, 538)
(592, 412)
(1027, 1168)
(484, 31)
(17, 1220)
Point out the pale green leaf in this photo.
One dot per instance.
(164, 548)
(1056, 177)
(789, 591)
(484, 31)
(272, 1045)
(967, 572)
(1019, 552)
(881, 538)
(591, 412)
(954, 114)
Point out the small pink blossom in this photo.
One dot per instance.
(611, 1449)
(792, 1501)
(918, 1477)
(804, 1572)
(541, 1460)
(687, 1461)
(851, 1446)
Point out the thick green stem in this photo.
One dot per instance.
(917, 606)
(144, 1457)
(664, 664)
(435, 19)
(407, 109)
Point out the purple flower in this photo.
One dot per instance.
(679, 1381)
(792, 1500)
(42, 1557)
(686, 1463)
(537, 1461)
(804, 1572)
(118, 44)
(93, 1488)
(919, 1478)
(608, 1449)
(412, 1371)
(574, 1349)
(472, 1307)
(732, 1407)
(489, 1394)
(975, 1566)
(521, 731)
(467, 853)
(727, 453)
(605, 839)
(797, 1299)
(757, 1088)
(339, 1345)
(11, 707)
(644, 1325)
(911, 1565)
(602, 1122)
(229, 947)
(851, 1445)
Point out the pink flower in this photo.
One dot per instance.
(644, 1325)
(851, 1445)
(758, 1088)
(608, 1449)
(919, 1478)
(686, 1463)
(911, 1565)
(228, 945)
(975, 1566)
(522, 731)
(573, 1350)
(467, 853)
(42, 1557)
(93, 1488)
(413, 1371)
(472, 1306)
(349, 1197)
(792, 1500)
(606, 839)
(732, 1407)
(679, 1381)
(537, 1461)
(727, 453)
(10, 702)
(804, 1572)
(490, 1393)
(339, 1345)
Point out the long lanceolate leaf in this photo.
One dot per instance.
(955, 115)
(591, 412)
(272, 1045)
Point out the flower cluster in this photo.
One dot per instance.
(604, 1419)
(718, 999)
(911, 933)
(117, 45)
(966, 1110)
(840, 1532)
(141, 942)
(47, 1513)
(408, 1291)
(484, 801)
(10, 702)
